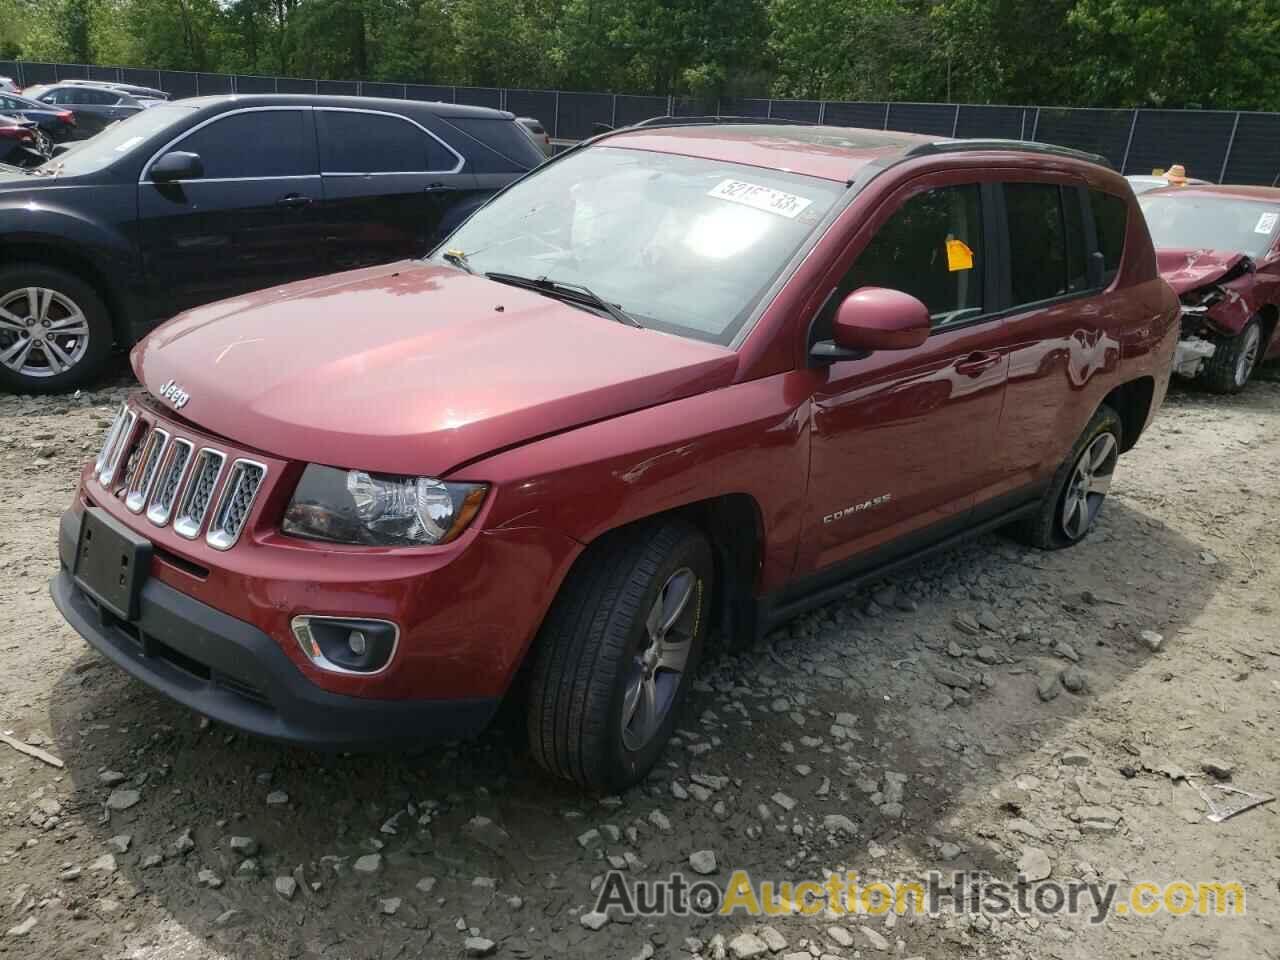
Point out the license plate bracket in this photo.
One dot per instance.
(112, 563)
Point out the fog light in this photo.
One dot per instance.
(343, 645)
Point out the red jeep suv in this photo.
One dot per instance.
(678, 379)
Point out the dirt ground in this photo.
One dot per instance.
(952, 760)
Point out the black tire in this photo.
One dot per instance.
(593, 642)
(39, 375)
(1235, 359)
(1051, 527)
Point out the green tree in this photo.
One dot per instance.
(854, 49)
(1008, 51)
(1179, 53)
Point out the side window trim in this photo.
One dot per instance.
(305, 109)
(457, 167)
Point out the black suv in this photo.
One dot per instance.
(198, 200)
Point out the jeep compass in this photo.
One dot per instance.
(679, 380)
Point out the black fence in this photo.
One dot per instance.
(1220, 145)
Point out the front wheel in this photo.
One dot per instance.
(55, 332)
(617, 654)
(1070, 507)
(1232, 363)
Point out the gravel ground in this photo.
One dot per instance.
(989, 708)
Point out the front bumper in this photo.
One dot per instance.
(236, 674)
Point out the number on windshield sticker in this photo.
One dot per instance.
(762, 198)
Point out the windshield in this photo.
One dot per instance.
(1201, 222)
(682, 244)
(116, 141)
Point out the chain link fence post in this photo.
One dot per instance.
(1133, 125)
(1231, 142)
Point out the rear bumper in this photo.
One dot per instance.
(236, 674)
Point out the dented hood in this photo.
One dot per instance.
(1186, 270)
(411, 368)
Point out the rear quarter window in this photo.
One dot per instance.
(1110, 218)
(495, 145)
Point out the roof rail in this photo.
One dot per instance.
(677, 121)
(1024, 146)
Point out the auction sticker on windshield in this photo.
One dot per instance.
(762, 198)
(1266, 223)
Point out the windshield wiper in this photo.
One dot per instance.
(458, 259)
(564, 290)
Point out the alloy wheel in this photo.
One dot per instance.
(42, 332)
(1090, 481)
(655, 672)
(1248, 354)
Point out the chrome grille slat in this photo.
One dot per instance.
(197, 496)
(139, 488)
(243, 484)
(107, 475)
(170, 481)
(109, 442)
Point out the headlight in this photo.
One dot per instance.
(378, 509)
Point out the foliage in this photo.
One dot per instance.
(1210, 53)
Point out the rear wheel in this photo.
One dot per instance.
(1071, 505)
(617, 653)
(1233, 362)
(55, 332)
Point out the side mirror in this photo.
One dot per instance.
(177, 165)
(874, 318)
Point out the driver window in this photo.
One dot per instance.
(932, 249)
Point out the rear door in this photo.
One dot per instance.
(387, 184)
(250, 222)
(904, 441)
(1062, 323)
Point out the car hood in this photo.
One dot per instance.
(1186, 270)
(410, 368)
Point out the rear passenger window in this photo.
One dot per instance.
(1110, 217)
(1038, 258)
(505, 146)
(1077, 244)
(261, 143)
(378, 143)
(932, 249)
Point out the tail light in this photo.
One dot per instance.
(17, 133)
(67, 117)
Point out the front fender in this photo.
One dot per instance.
(48, 225)
(748, 438)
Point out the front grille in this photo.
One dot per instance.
(198, 494)
(157, 471)
(170, 482)
(142, 480)
(237, 498)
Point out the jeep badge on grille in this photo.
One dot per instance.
(174, 394)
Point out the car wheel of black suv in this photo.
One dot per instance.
(1232, 363)
(55, 332)
(617, 653)
(1071, 505)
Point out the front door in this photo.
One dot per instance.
(387, 185)
(903, 442)
(251, 220)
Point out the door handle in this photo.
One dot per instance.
(976, 362)
(294, 201)
(435, 188)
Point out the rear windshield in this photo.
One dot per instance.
(503, 139)
(1188, 221)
